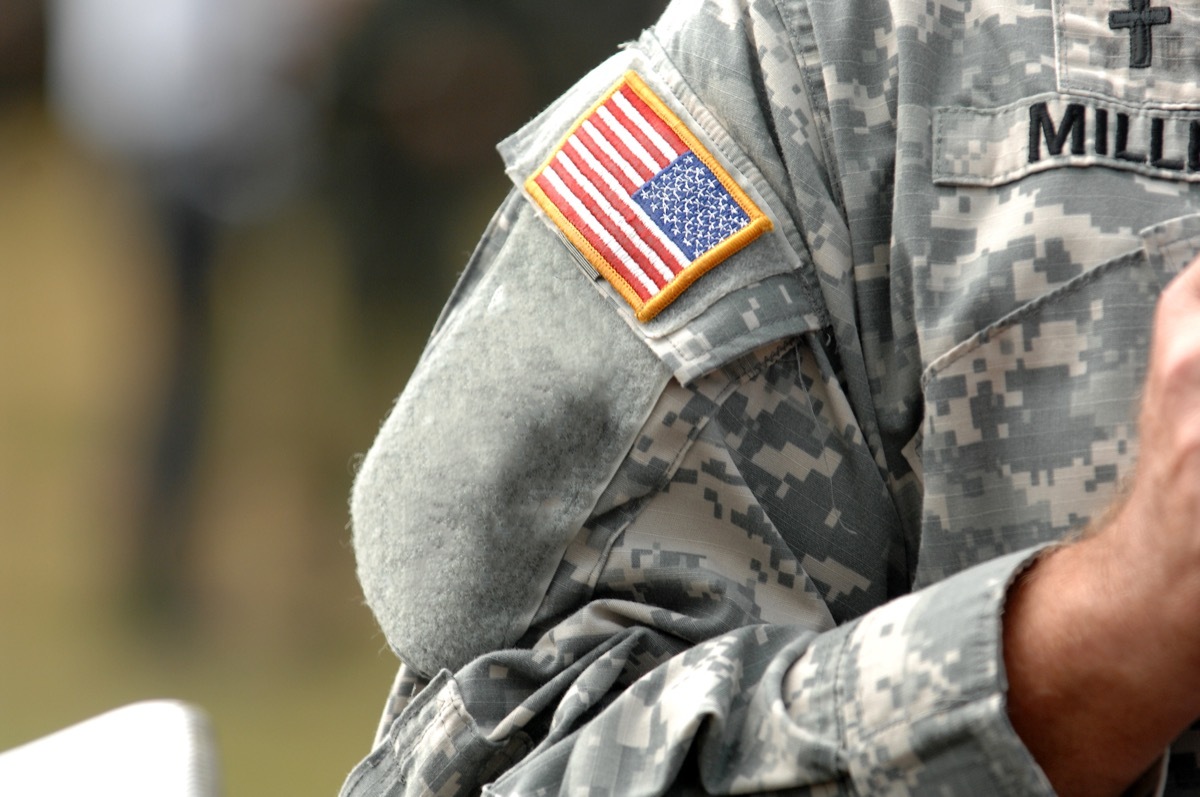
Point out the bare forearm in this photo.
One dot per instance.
(1096, 690)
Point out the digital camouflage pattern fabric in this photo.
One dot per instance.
(760, 542)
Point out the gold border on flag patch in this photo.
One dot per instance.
(642, 199)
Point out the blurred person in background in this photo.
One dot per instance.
(223, 109)
(212, 104)
(21, 46)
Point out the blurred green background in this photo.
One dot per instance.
(312, 308)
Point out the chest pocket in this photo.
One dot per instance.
(1029, 426)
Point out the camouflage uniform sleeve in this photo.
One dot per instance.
(631, 555)
(907, 700)
(688, 641)
(526, 397)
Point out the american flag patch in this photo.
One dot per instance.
(642, 199)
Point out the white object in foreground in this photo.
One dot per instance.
(158, 748)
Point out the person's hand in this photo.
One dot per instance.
(1102, 638)
(1159, 523)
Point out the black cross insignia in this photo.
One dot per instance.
(1140, 18)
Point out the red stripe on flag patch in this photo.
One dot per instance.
(584, 136)
(642, 199)
(641, 146)
(665, 259)
(668, 135)
(600, 243)
(630, 249)
(620, 145)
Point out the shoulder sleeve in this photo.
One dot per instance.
(531, 397)
(541, 369)
(522, 405)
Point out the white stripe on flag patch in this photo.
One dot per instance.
(632, 144)
(628, 206)
(615, 218)
(668, 152)
(610, 151)
(597, 228)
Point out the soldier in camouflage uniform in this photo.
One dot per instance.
(748, 523)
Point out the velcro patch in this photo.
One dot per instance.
(642, 199)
